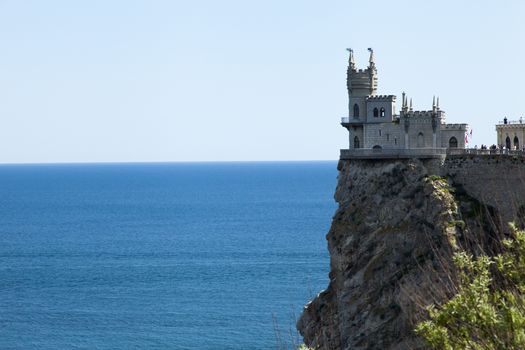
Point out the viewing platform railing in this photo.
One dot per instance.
(379, 153)
(484, 152)
(502, 122)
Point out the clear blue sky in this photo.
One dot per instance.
(86, 81)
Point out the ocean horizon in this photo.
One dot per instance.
(178, 255)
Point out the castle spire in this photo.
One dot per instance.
(351, 62)
(437, 106)
(404, 103)
(411, 104)
(371, 60)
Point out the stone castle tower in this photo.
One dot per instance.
(511, 134)
(360, 84)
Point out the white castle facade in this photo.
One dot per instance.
(511, 134)
(377, 130)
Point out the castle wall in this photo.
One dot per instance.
(420, 132)
(385, 102)
(447, 133)
(497, 181)
(356, 131)
(386, 135)
(391, 134)
(361, 102)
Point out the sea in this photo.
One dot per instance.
(161, 256)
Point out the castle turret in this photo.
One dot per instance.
(360, 83)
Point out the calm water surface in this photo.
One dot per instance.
(160, 256)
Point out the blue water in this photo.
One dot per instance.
(161, 256)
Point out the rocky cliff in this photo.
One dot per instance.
(392, 238)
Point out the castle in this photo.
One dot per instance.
(376, 130)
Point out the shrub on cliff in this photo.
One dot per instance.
(488, 311)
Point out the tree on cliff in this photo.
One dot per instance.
(488, 312)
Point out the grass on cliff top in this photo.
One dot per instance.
(488, 311)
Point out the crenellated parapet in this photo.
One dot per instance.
(435, 117)
(361, 82)
(422, 114)
(381, 98)
(455, 127)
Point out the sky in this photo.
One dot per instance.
(150, 81)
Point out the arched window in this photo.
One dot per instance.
(453, 142)
(382, 112)
(420, 140)
(356, 142)
(507, 143)
(516, 143)
(356, 110)
(377, 147)
(376, 112)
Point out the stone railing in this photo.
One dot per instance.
(484, 152)
(502, 122)
(347, 120)
(368, 153)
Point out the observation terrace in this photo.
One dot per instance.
(424, 153)
(506, 122)
(485, 152)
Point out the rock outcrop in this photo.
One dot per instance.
(390, 243)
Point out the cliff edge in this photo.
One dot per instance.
(392, 238)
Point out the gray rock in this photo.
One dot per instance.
(391, 242)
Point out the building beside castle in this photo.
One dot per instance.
(511, 134)
(376, 129)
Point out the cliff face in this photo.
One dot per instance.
(391, 243)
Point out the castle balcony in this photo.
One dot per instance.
(510, 122)
(379, 153)
(347, 121)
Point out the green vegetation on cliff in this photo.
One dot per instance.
(488, 311)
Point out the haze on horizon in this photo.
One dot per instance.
(134, 81)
